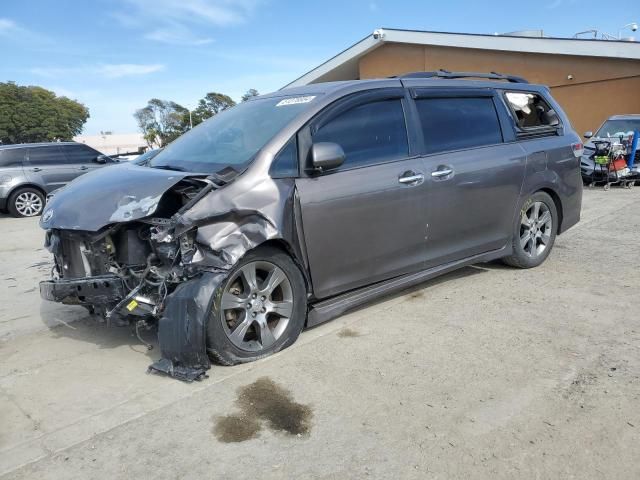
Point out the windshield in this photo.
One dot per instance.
(615, 128)
(231, 138)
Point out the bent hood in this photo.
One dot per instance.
(118, 193)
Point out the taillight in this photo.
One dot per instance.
(578, 149)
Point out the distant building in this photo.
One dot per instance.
(115, 143)
(592, 79)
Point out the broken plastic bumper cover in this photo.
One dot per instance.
(183, 326)
(99, 290)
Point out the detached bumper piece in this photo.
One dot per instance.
(99, 290)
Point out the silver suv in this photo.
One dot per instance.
(30, 171)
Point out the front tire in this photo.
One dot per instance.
(534, 231)
(259, 310)
(26, 202)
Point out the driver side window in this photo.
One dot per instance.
(369, 134)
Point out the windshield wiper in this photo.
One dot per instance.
(168, 167)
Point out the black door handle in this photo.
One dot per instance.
(84, 167)
(36, 169)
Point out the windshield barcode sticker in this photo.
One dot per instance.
(295, 100)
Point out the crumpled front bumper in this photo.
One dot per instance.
(99, 290)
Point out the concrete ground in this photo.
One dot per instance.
(488, 372)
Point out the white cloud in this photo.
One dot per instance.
(117, 70)
(128, 69)
(214, 12)
(175, 20)
(177, 38)
(7, 26)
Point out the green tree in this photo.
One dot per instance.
(252, 92)
(212, 104)
(34, 114)
(162, 121)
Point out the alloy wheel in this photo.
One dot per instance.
(256, 306)
(28, 204)
(535, 229)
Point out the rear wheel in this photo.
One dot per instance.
(259, 310)
(534, 232)
(26, 202)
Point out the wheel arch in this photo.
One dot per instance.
(558, 204)
(284, 246)
(35, 186)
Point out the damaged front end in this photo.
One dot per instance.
(132, 268)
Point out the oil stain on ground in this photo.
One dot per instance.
(347, 332)
(263, 403)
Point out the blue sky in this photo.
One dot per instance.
(113, 55)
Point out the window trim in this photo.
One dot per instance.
(426, 93)
(531, 133)
(343, 104)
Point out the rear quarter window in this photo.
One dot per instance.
(458, 123)
(532, 114)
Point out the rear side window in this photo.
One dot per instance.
(370, 133)
(531, 111)
(12, 157)
(79, 153)
(458, 123)
(46, 156)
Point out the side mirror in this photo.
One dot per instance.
(326, 156)
(588, 134)
(102, 159)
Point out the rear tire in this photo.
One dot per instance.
(259, 310)
(534, 231)
(26, 202)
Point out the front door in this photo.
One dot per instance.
(82, 157)
(47, 166)
(365, 221)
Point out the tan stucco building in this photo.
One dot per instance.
(591, 79)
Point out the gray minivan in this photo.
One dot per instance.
(30, 171)
(291, 208)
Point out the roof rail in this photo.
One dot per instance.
(450, 75)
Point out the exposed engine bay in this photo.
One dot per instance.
(142, 258)
(143, 247)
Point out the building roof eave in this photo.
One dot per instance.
(347, 60)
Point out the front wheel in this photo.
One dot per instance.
(259, 310)
(534, 232)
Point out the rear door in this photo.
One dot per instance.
(473, 177)
(81, 157)
(47, 166)
(11, 168)
(363, 222)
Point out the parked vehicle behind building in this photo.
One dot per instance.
(31, 171)
(291, 208)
